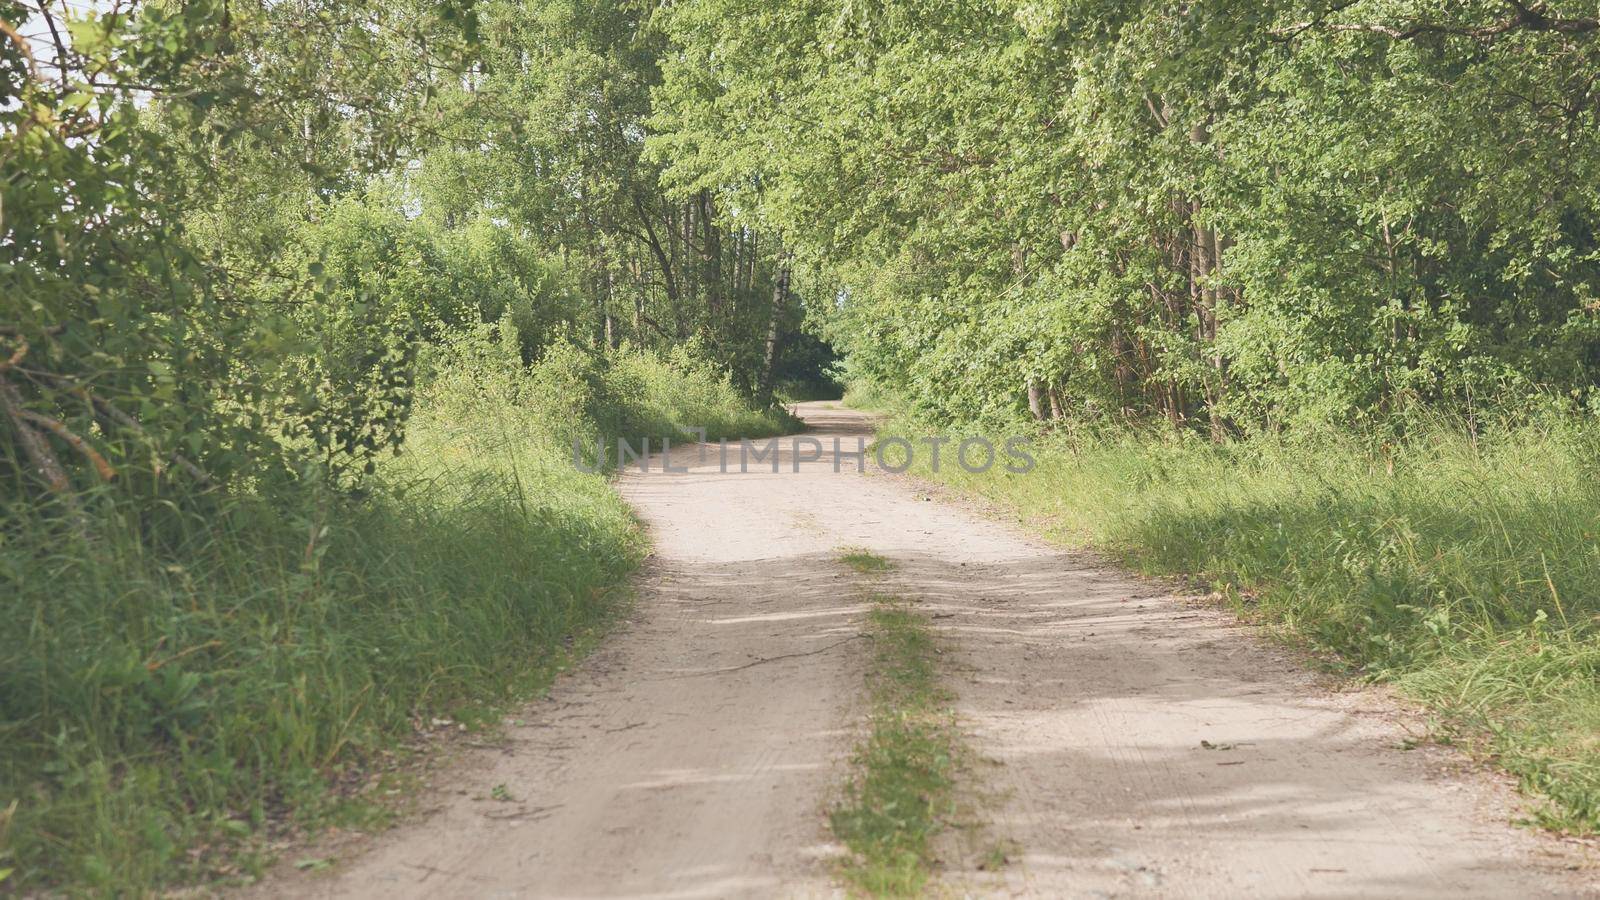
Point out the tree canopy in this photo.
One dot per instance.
(1234, 216)
(228, 228)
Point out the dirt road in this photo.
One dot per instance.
(1136, 744)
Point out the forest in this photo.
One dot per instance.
(302, 304)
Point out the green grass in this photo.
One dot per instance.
(902, 793)
(1464, 571)
(190, 681)
(864, 561)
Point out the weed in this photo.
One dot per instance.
(865, 561)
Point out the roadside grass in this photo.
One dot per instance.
(188, 685)
(903, 791)
(1464, 570)
(238, 678)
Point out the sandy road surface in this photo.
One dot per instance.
(1137, 745)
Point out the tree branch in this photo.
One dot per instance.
(61, 47)
(33, 444)
(77, 443)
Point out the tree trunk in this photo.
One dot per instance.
(605, 309)
(1036, 400)
(780, 301)
(710, 259)
(750, 268)
(1203, 297)
(1205, 261)
(666, 257)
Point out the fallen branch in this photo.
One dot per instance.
(33, 444)
(766, 659)
(101, 467)
(110, 411)
(22, 350)
(132, 424)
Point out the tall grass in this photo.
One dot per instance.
(168, 692)
(1465, 570)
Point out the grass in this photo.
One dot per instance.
(903, 790)
(193, 682)
(1464, 570)
(865, 561)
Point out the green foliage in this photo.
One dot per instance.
(550, 145)
(388, 288)
(691, 391)
(140, 352)
(230, 229)
(502, 275)
(1238, 217)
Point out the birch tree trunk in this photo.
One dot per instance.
(780, 301)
